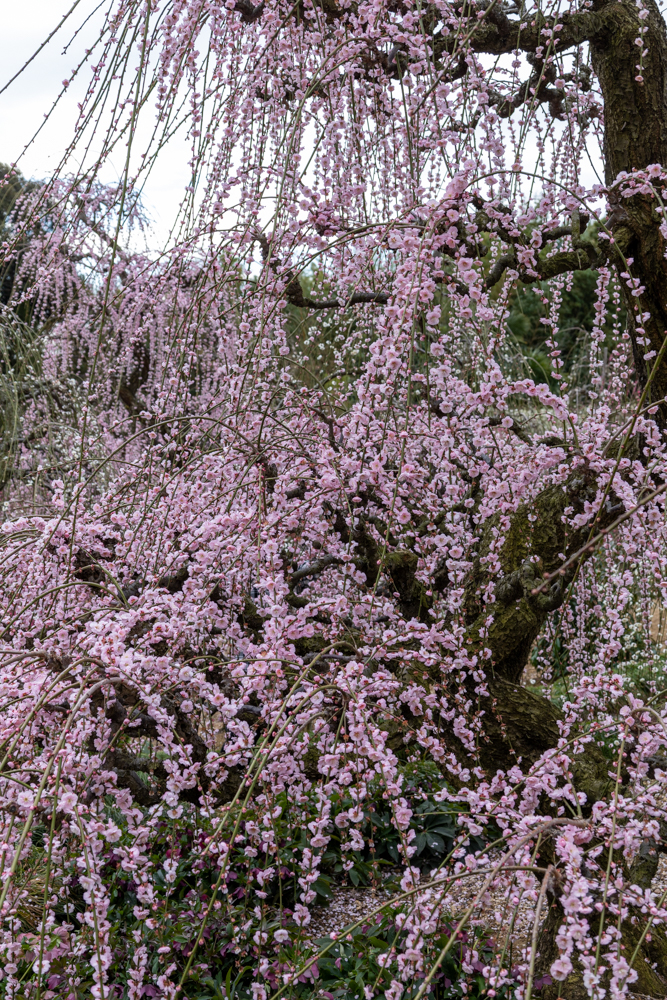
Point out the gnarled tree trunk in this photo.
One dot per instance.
(517, 722)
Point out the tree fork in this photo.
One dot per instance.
(635, 137)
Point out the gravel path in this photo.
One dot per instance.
(508, 925)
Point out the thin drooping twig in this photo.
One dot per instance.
(589, 546)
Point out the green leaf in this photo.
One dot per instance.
(322, 887)
(446, 831)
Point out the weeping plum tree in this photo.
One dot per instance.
(297, 555)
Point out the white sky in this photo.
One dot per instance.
(23, 105)
(25, 25)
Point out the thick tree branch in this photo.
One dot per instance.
(294, 290)
(357, 298)
(496, 34)
(315, 567)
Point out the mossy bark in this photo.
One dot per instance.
(537, 542)
(519, 726)
(649, 963)
(518, 723)
(635, 136)
(414, 601)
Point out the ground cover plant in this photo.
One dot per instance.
(333, 546)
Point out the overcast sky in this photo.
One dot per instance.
(23, 105)
(25, 26)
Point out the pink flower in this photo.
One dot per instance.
(67, 802)
(561, 968)
(301, 915)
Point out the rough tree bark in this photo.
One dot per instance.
(519, 722)
(635, 136)
(519, 725)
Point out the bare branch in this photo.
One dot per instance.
(315, 568)
(329, 421)
(514, 428)
(496, 34)
(248, 11)
(498, 269)
(294, 290)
